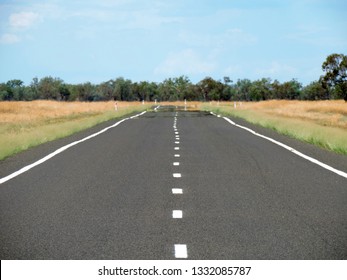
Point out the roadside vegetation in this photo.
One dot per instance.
(28, 124)
(57, 109)
(322, 123)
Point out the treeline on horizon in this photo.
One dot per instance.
(331, 86)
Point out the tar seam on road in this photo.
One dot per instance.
(317, 162)
(60, 150)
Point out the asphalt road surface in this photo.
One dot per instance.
(174, 184)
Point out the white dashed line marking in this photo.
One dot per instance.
(177, 214)
(176, 163)
(177, 148)
(177, 191)
(181, 251)
(177, 155)
(177, 142)
(177, 175)
(176, 132)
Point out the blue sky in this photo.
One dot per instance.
(80, 41)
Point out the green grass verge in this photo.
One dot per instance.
(17, 138)
(330, 138)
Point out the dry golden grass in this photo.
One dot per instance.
(42, 111)
(27, 124)
(327, 113)
(323, 123)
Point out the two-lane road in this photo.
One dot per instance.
(174, 184)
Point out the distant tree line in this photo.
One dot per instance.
(333, 85)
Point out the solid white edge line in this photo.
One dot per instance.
(313, 160)
(181, 251)
(60, 150)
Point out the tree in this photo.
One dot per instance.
(260, 90)
(227, 89)
(14, 90)
(105, 90)
(84, 92)
(168, 90)
(292, 89)
(211, 89)
(122, 89)
(287, 90)
(34, 89)
(335, 78)
(242, 89)
(64, 92)
(182, 85)
(49, 88)
(145, 91)
(314, 91)
(3, 92)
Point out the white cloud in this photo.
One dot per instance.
(184, 63)
(23, 19)
(9, 39)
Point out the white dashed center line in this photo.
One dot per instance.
(177, 214)
(181, 251)
(177, 191)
